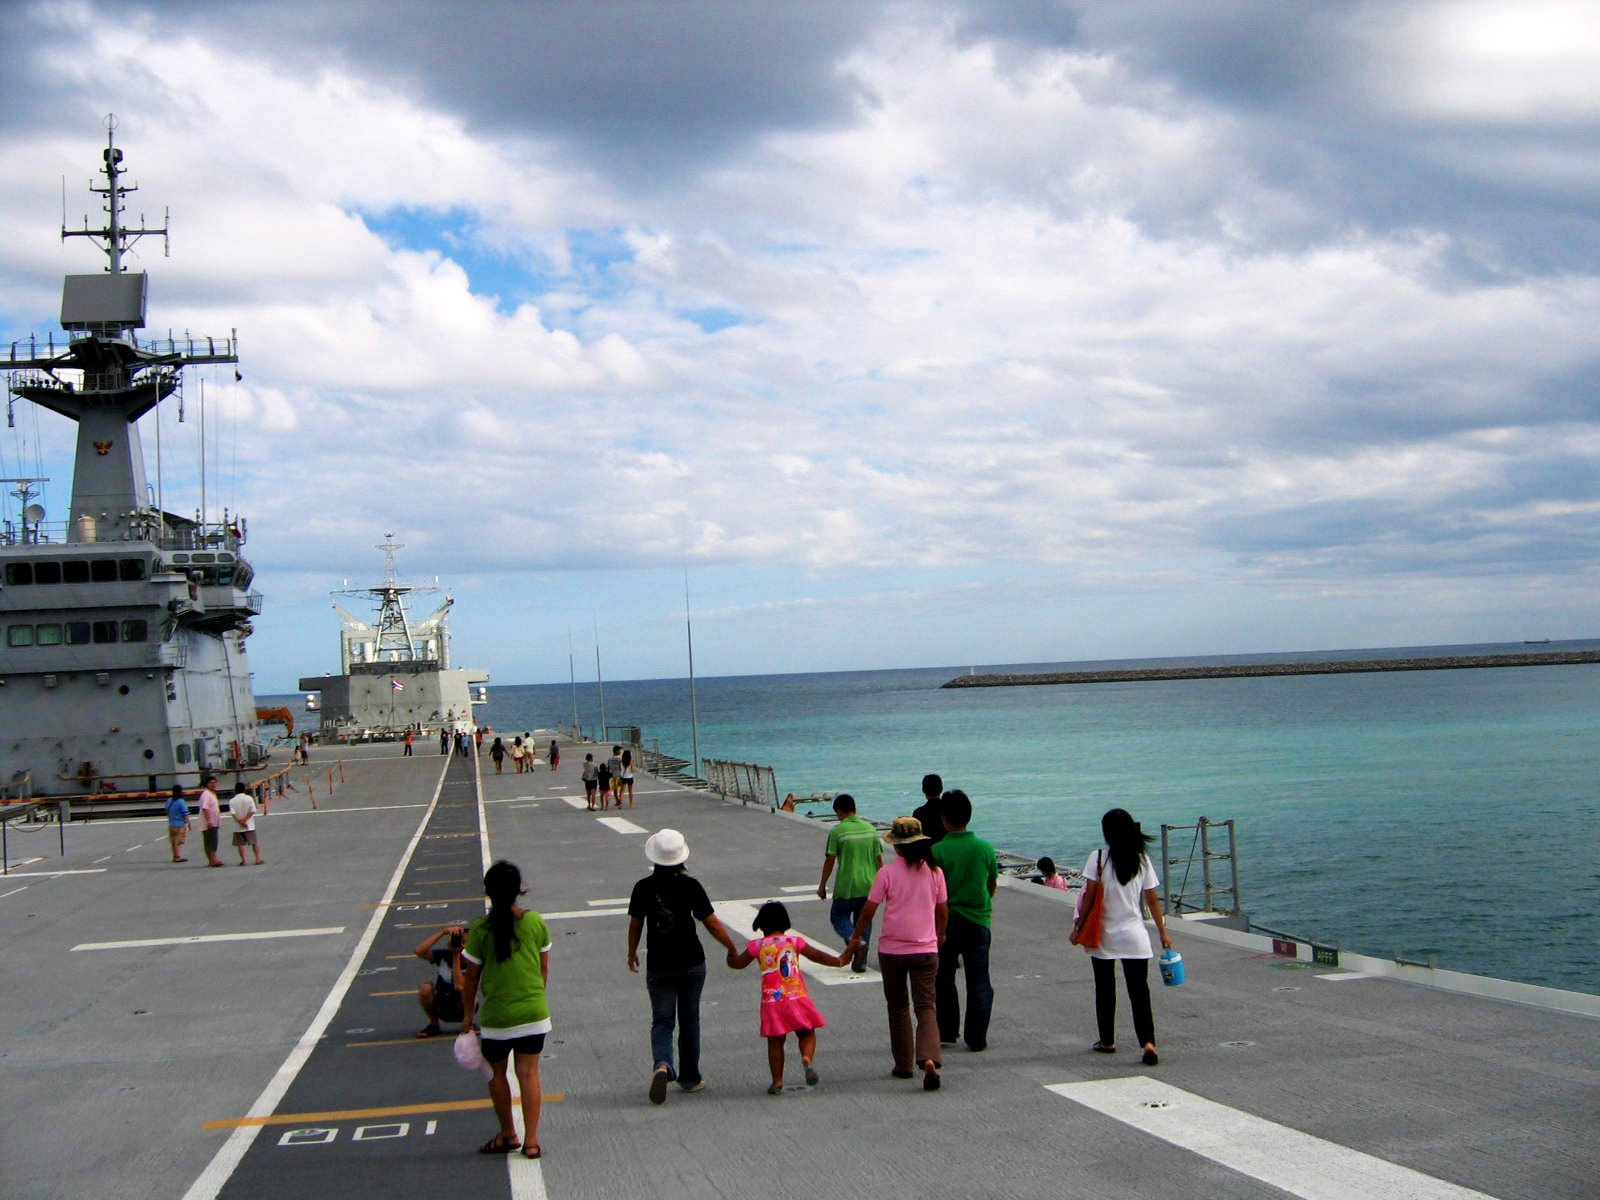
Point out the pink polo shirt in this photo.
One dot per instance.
(907, 896)
(210, 810)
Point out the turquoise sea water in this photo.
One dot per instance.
(1451, 813)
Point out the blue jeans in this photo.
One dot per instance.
(968, 942)
(675, 998)
(843, 916)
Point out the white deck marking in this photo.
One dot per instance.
(197, 939)
(741, 914)
(14, 891)
(576, 913)
(620, 825)
(623, 900)
(576, 801)
(55, 874)
(512, 800)
(227, 1159)
(323, 812)
(794, 889)
(1298, 1163)
(1341, 976)
(107, 858)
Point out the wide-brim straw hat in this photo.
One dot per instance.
(666, 848)
(904, 831)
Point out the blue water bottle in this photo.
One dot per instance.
(1171, 968)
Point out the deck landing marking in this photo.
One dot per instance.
(14, 891)
(1285, 1158)
(366, 1114)
(1341, 976)
(619, 825)
(195, 939)
(55, 874)
(575, 801)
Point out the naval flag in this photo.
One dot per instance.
(397, 685)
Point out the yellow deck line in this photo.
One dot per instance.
(406, 992)
(362, 1114)
(430, 900)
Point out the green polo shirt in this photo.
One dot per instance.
(853, 843)
(969, 867)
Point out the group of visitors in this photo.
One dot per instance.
(242, 810)
(609, 782)
(935, 894)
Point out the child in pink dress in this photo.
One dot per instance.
(785, 1004)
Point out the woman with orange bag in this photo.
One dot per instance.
(1116, 877)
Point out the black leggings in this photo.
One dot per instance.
(1136, 976)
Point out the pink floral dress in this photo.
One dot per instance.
(785, 1004)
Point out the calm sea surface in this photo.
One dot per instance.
(1451, 813)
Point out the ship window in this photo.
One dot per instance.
(103, 570)
(19, 573)
(180, 558)
(47, 635)
(131, 568)
(19, 635)
(184, 753)
(135, 631)
(224, 557)
(47, 572)
(224, 575)
(203, 557)
(105, 631)
(77, 633)
(75, 570)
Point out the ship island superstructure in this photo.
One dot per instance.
(122, 629)
(394, 675)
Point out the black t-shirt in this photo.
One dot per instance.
(669, 901)
(932, 820)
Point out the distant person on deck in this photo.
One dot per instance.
(210, 821)
(930, 816)
(1050, 877)
(497, 751)
(627, 779)
(178, 823)
(242, 808)
(555, 754)
(614, 766)
(971, 874)
(667, 903)
(409, 738)
(852, 847)
(591, 780)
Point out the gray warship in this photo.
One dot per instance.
(122, 662)
(395, 676)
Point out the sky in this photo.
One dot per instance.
(868, 334)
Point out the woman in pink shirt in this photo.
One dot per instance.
(910, 889)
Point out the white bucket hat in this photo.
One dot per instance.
(666, 848)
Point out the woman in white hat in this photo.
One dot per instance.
(668, 902)
(911, 891)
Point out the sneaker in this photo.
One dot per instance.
(699, 1085)
(859, 967)
(812, 1078)
(658, 1085)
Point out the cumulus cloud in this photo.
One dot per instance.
(1006, 300)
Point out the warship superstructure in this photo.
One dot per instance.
(122, 628)
(394, 675)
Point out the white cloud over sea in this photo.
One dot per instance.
(919, 333)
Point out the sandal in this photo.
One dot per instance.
(1102, 1048)
(428, 1031)
(532, 1152)
(775, 1089)
(930, 1076)
(499, 1145)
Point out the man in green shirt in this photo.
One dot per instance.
(853, 845)
(971, 875)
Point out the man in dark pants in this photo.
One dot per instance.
(971, 875)
(668, 902)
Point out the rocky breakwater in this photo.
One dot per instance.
(1337, 666)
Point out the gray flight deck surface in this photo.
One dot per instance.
(137, 1069)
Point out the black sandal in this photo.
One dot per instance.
(498, 1145)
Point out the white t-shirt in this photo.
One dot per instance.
(243, 807)
(1122, 931)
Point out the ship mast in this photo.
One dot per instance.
(106, 379)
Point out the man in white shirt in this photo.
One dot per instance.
(243, 809)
